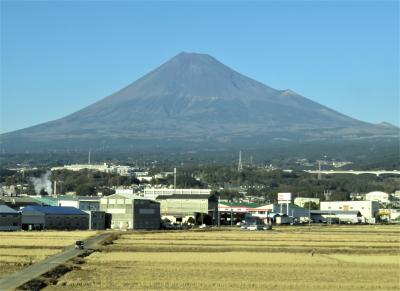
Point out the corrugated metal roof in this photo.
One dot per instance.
(78, 198)
(184, 196)
(335, 212)
(46, 200)
(241, 204)
(6, 209)
(55, 210)
(125, 195)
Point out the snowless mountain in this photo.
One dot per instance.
(194, 99)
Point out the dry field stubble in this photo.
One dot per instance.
(20, 249)
(346, 258)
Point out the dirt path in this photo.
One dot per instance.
(19, 278)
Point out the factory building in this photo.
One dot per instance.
(368, 209)
(378, 196)
(336, 216)
(179, 208)
(10, 219)
(237, 211)
(291, 210)
(129, 211)
(17, 202)
(81, 202)
(45, 200)
(97, 219)
(54, 217)
(153, 193)
(231, 213)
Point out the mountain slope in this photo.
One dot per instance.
(195, 98)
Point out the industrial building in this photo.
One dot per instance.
(20, 201)
(54, 217)
(97, 220)
(81, 202)
(336, 216)
(153, 193)
(368, 209)
(129, 211)
(180, 207)
(10, 219)
(232, 213)
(378, 196)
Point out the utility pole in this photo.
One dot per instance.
(89, 158)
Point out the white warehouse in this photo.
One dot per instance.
(153, 193)
(368, 209)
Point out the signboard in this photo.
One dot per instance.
(284, 197)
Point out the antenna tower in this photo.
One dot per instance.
(240, 165)
(174, 179)
(319, 170)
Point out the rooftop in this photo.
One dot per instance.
(55, 210)
(184, 196)
(241, 204)
(6, 209)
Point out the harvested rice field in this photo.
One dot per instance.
(21, 249)
(286, 258)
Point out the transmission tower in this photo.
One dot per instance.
(240, 165)
(319, 170)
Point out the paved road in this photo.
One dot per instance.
(19, 278)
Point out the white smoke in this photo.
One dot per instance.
(42, 183)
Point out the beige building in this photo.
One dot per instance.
(180, 207)
(129, 211)
(379, 196)
(153, 193)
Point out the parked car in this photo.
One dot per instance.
(255, 227)
(267, 227)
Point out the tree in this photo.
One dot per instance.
(85, 190)
(311, 205)
(43, 193)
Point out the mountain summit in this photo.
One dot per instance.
(193, 98)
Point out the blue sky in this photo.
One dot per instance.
(59, 56)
